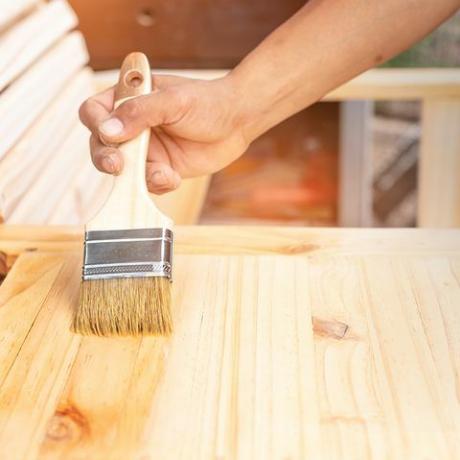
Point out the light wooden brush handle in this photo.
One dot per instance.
(129, 204)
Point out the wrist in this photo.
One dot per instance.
(247, 113)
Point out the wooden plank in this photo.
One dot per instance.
(31, 277)
(231, 240)
(353, 422)
(403, 350)
(85, 193)
(355, 184)
(243, 377)
(132, 368)
(384, 384)
(439, 165)
(28, 39)
(436, 283)
(11, 11)
(91, 203)
(377, 84)
(44, 193)
(41, 141)
(90, 191)
(215, 44)
(250, 391)
(62, 211)
(41, 349)
(400, 84)
(184, 205)
(37, 88)
(119, 391)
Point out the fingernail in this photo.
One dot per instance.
(108, 164)
(111, 127)
(159, 178)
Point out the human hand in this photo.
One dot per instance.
(196, 129)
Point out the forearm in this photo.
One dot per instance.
(322, 46)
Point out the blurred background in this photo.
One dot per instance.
(347, 162)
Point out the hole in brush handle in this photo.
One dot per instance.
(134, 79)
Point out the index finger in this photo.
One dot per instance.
(97, 109)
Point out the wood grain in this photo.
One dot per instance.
(380, 387)
(84, 195)
(37, 314)
(38, 87)
(16, 239)
(29, 38)
(12, 11)
(26, 161)
(439, 165)
(53, 184)
(338, 353)
(184, 205)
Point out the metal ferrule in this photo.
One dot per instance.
(143, 252)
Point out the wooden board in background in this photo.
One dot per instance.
(14, 10)
(207, 34)
(223, 240)
(38, 87)
(29, 38)
(439, 165)
(38, 147)
(45, 192)
(84, 195)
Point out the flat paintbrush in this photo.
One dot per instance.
(125, 289)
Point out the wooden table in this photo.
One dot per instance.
(289, 344)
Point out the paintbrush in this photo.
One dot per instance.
(126, 280)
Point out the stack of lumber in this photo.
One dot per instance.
(45, 172)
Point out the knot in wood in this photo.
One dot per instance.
(330, 328)
(67, 425)
(299, 248)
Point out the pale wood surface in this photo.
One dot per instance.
(12, 10)
(289, 343)
(355, 164)
(29, 38)
(52, 185)
(377, 84)
(37, 148)
(84, 195)
(37, 88)
(400, 84)
(439, 165)
(16, 239)
(184, 204)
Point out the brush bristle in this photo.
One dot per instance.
(124, 307)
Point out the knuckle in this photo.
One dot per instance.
(94, 151)
(84, 110)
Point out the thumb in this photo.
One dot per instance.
(133, 116)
